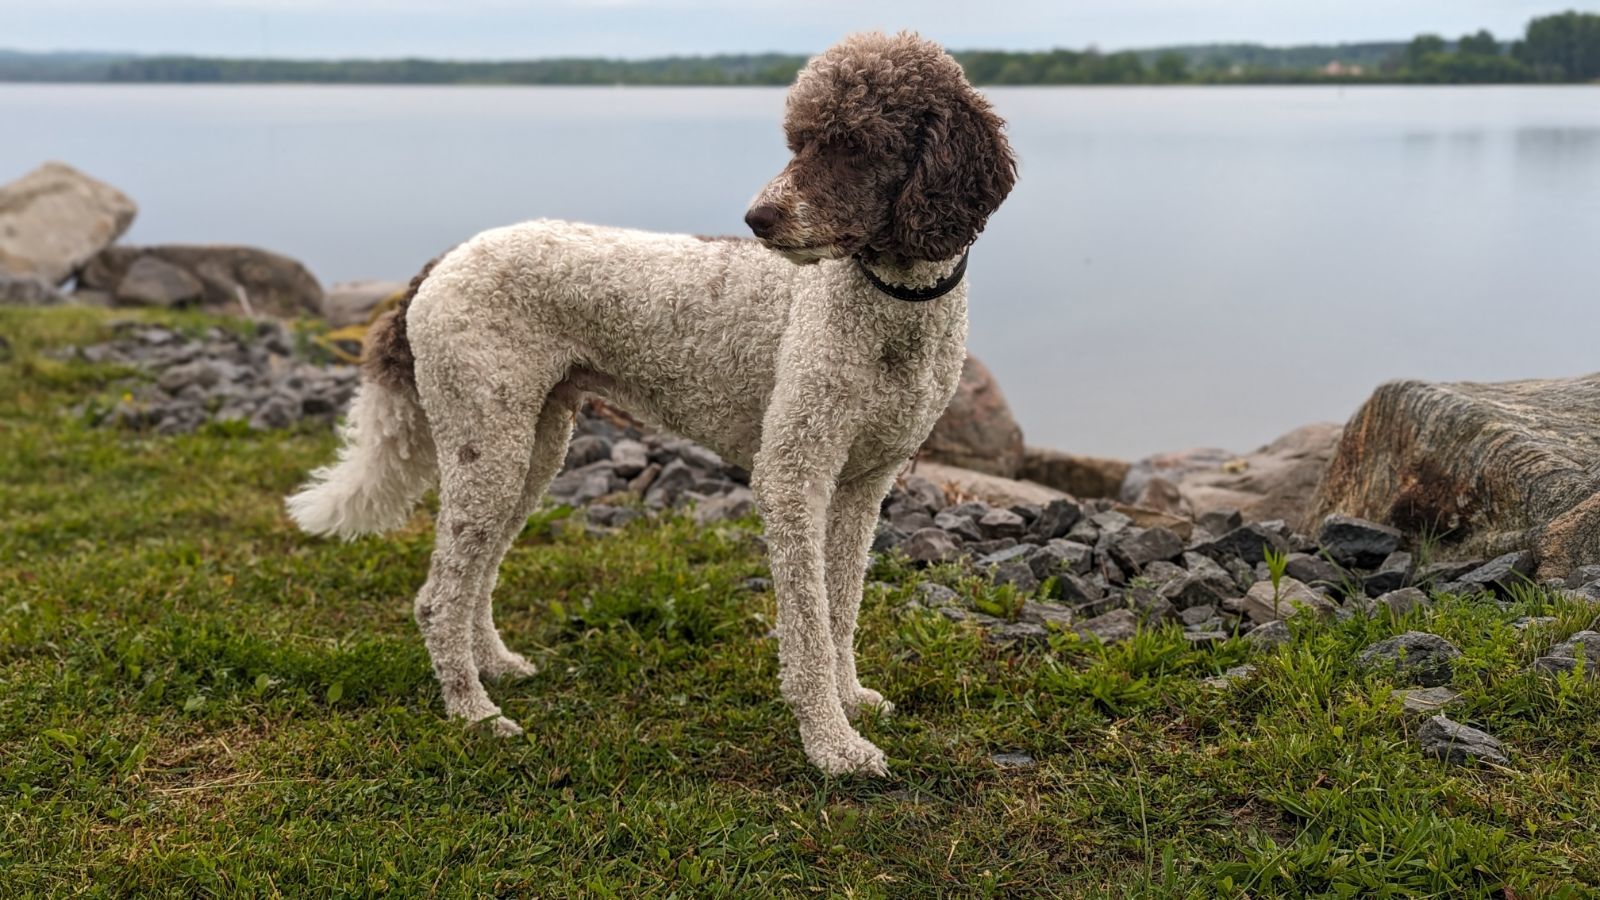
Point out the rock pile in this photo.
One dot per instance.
(219, 376)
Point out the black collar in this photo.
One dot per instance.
(917, 295)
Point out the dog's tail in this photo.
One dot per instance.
(387, 461)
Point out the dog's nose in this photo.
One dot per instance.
(761, 219)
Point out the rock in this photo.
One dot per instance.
(922, 493)
(1080, 476)
(977, 430)
(1017, 574)
(1393, 574)
(352, 302)
(930, 545)
(1013, 761)
(1513, 465)
(992, 489)
(1152, 608)
(1416, 658)
(1498, 576)
(735, 504)
(1016, 633)
(1058, 557)
(1403, 601)
(756, 585)
(26, 290)
(151, 282)
(1047, 614)
(1116, 625)
(1001, 523)
(1523, 623)
(1077, 591)
(1247, 543)
(1446, 572)
(1458, 744)
(1135, 548)
(629, 457)
(1230, 677)
(961, 527)
(1564, 656)
(1278, 481)
(1581, 576)
(586, 449)
(934, 595)
(1357, 542)
(1313, 570)
(271, 284)
(981, 549)
(1293, 598)
(1210, 588)
(962, 614)
(55, 218)
(1056, 518)
(1427, 700)
(675, 478)
(1204, 638)
(1269, 635)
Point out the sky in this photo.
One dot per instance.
(523, 29)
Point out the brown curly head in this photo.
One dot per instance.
(895, 155)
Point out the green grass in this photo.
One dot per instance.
(195, 700)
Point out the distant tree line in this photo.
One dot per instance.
(1557, 48)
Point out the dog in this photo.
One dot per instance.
(818, 356)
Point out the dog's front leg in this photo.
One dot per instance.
(852, 521)
(793, 479)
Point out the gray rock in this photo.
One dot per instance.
(1014, 553)
(1357, 542)
(910, 519)
(1220, 521)
(1084, 532)
(1060, 556)
(351, 302)
(1403, 601)
(586, 449)
(1416, 657)
(1016, 573)
(1001, 523)
(1230, 677)
(1076, 591)
(1017, 633)
(1246, 543)
(1498, 576)
(1153, 609)
(1582, 575)
(1110, 521)
(55, 218)
(279, 411)
(675, 478)
(1313, 570)
(1458, 744)
(1116, 625)
(1446, 572)
(737, 503)
(1057, 518)
(1292, 599)
(1013, 761)
(1523, 623)
(962, 614)
(1135, 548)
(1205, 589)
(960, 527)
(1427, 700)
(1197, 615)
(934, 595)
(26, 290)
(1393, 573)
(1204, 638)
(629, 457)
(923, 493)
(930, 545)
(1045, 613)
(151, 282)
(1269, 635)
(1563, 657)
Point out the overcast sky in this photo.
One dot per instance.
(500, 29)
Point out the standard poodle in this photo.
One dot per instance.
(818, 356)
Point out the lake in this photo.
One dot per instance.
(1177, 267)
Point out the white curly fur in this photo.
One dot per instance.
(806, 374)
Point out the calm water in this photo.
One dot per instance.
(1177, 267)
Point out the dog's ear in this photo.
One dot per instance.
(962, 171)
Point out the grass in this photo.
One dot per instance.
(196, 700)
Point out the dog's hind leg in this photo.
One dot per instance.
(852, 521)
(550, 441)
(483, 409)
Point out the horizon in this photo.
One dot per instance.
(498, 31)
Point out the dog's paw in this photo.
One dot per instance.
(854, 756)
(508, 667)
(498, 726)
(866, 698)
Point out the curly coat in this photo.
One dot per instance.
(790, 363)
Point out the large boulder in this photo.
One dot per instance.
(25, 290)
(977, 430)
(55, 218)
(1278, 481)
(1488, 468)
(1080, 476)
(991, 489)
(239, 280)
